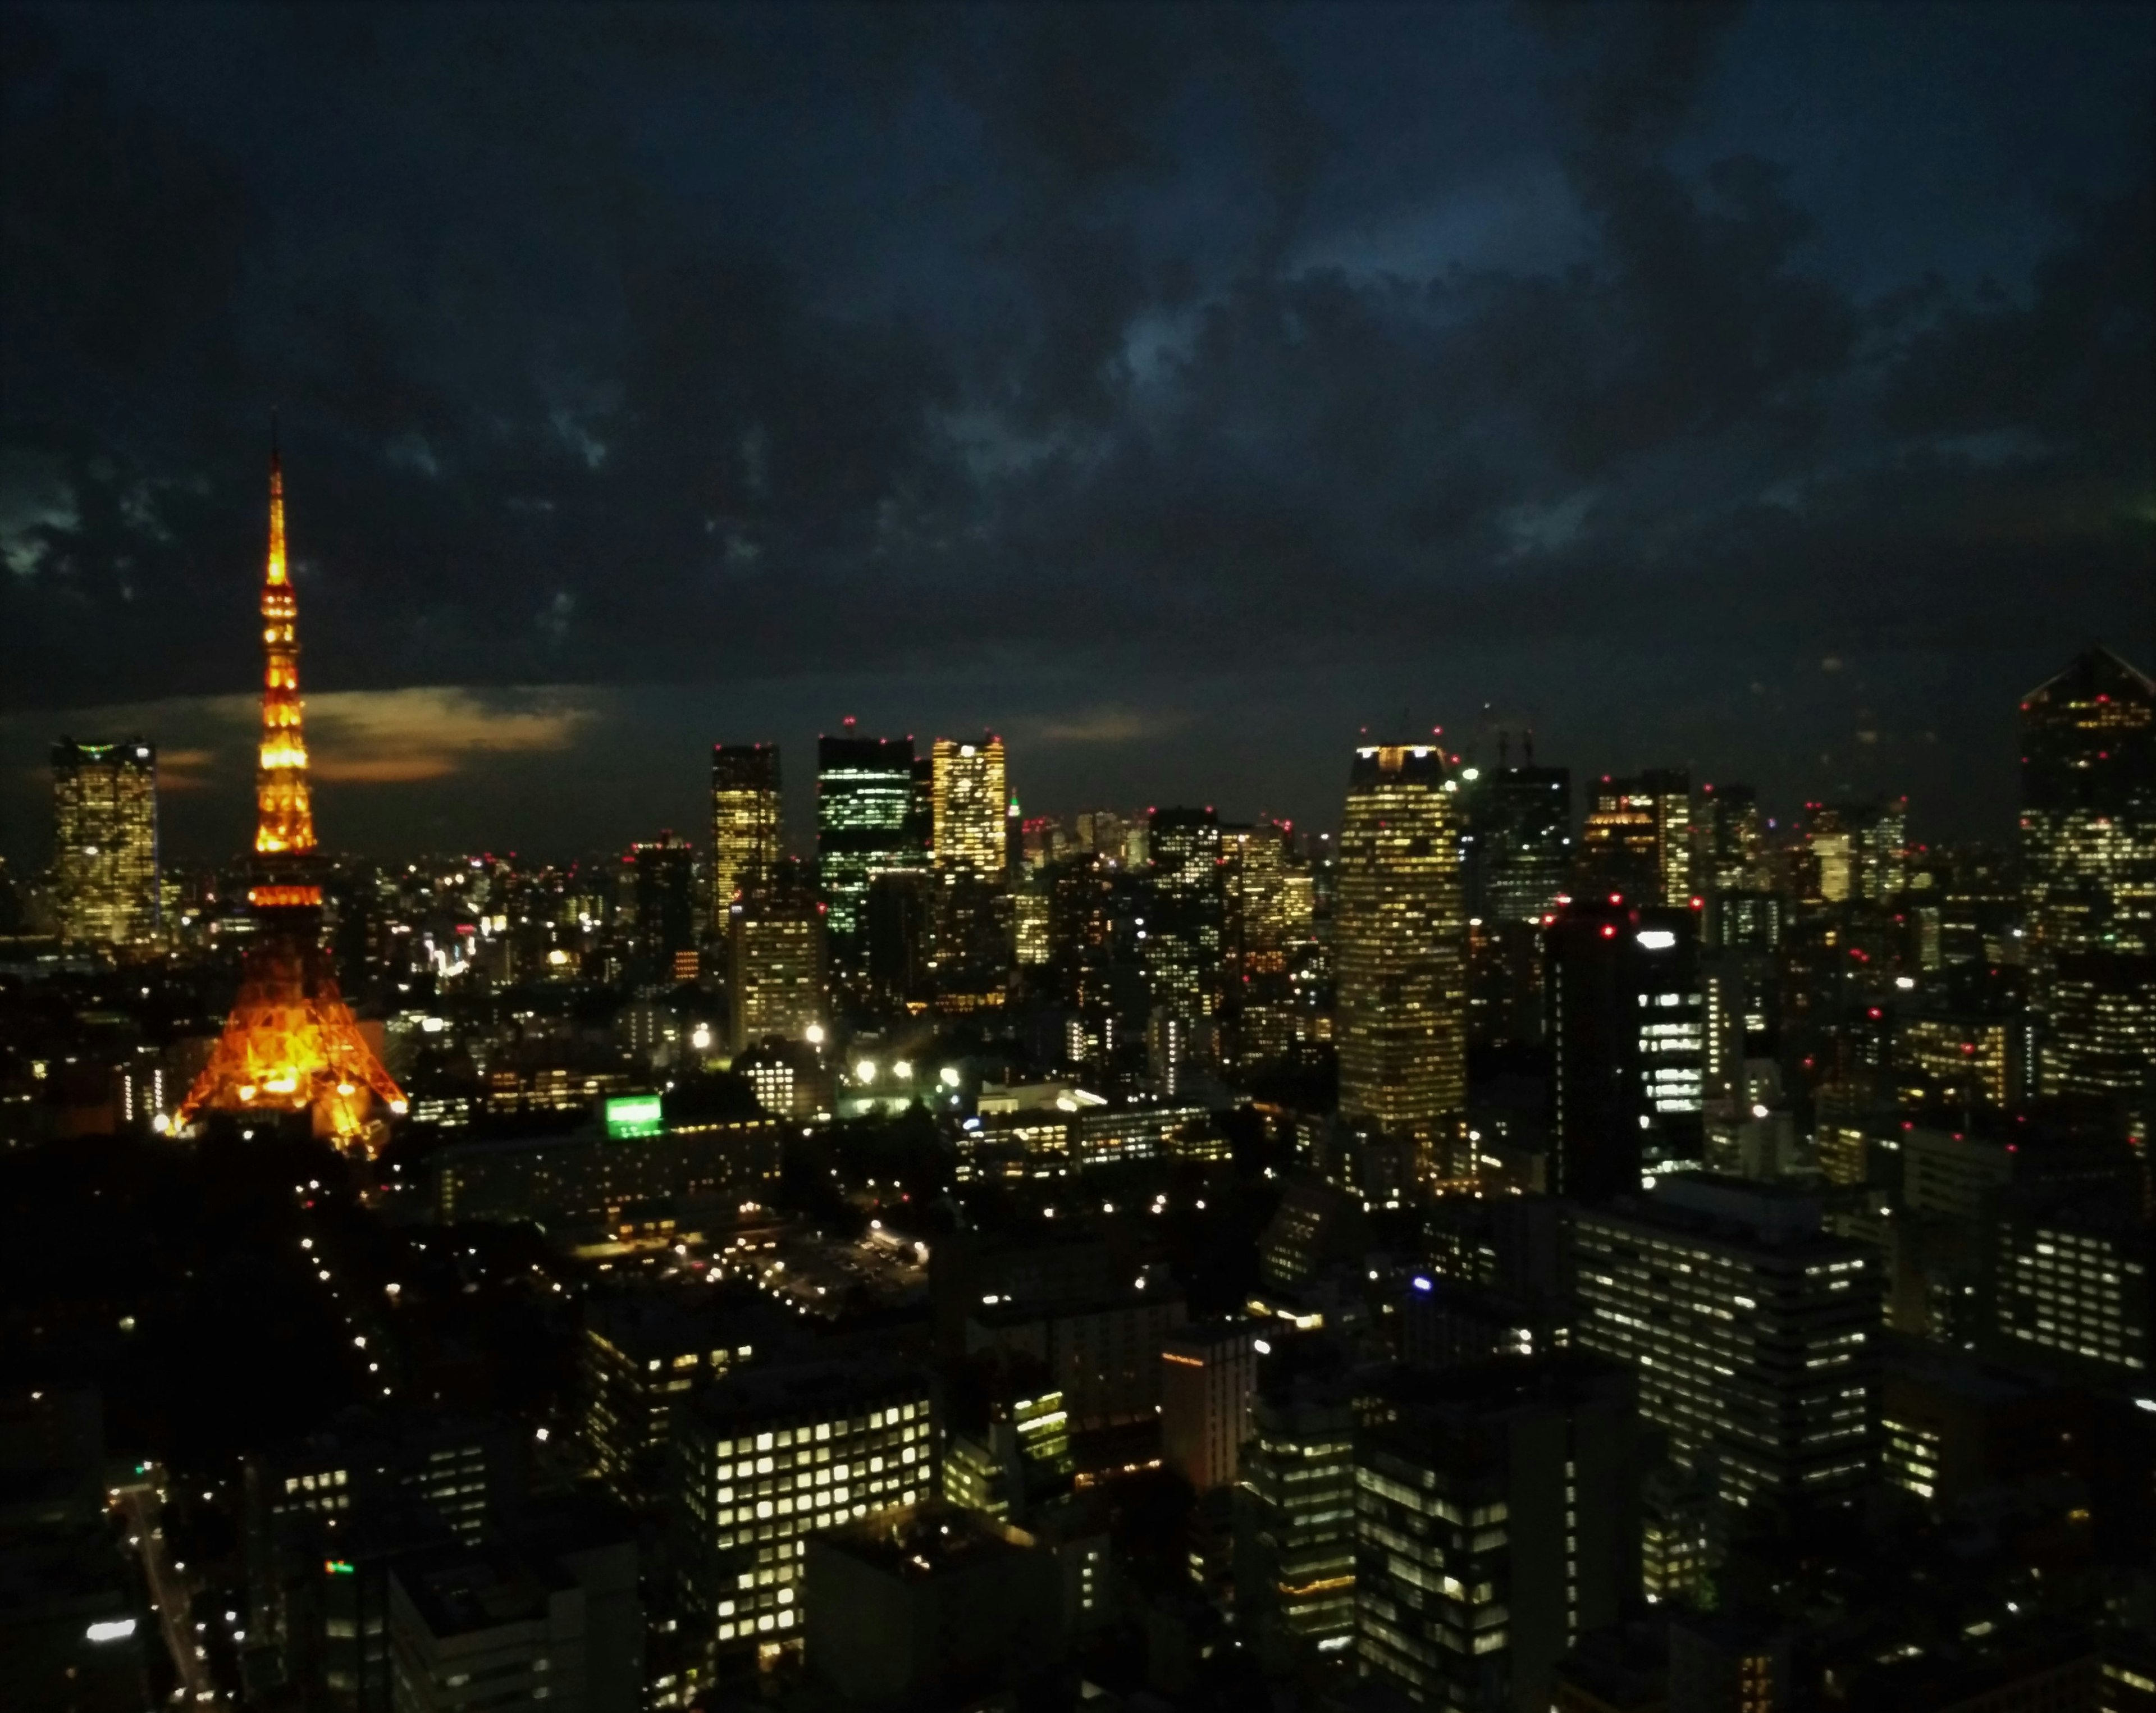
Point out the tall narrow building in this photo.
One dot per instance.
(971, 792)
(1400, 949)
(1518, 841)
(864, 827)
(1185, 910)
(291, 1043)
(105, 842)
(2088, 860)
(745, 831)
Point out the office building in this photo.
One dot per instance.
(1858, 852)
(865, 825)
(1721, 1664)
(1732, 841)
(662, 905)
(971, 795)
(1754, 1335)
(1294, 1505)
(2070, 1282)
(1517, 842)
(641, 1353)
(691, 1169)
(769, 1456)
(1496, 1522)
(775, 964)
(105, 875)
(745, 823)
(1207, 1372)
(930, 1600)
(1008, 1447)
(1183, 930)
(2088, 859)
(1400, 938)
(1637, 842)
(1629, 1039)
(1102, 1353)
(555, 1618)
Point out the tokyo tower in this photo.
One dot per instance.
(291, 1043)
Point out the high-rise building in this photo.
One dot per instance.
(1399, 936)
(971, 793)
(663, 893)
(1295, 1505)
(291, 1043)
(1754, 1335)
(2071, 1280)
(745, 826)
(2088, 858)
(969, 939)
(1207, 1369)
(1518, 841)
(1496, 1522)
(1858, 851)
(1265, 925)
(865, 825)
(775, 963)
(1629, 1040)
(1637, 842)
(1185, 921)
(105, 842)
(1733, 840)
(767, 1457)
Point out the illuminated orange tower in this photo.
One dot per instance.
(291, 1043)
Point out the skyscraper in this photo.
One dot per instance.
(2088, 857)
(745, 837)
(971, 793)
(1518, 841)
(1207, 1372)
(662, 877)
(775, 961)
(105, 842)
(1628, 1040)
(970, 953)
(1400, 939)
(1638, 838)
(291, 1043)
(864, 826)
(1733, 842)
(1185, 910)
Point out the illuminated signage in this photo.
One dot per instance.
(632, 1115)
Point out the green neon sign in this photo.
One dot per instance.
(337, 1567)
(634, 1116)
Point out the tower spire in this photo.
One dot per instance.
(284, 821)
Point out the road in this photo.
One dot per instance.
(172, 1591)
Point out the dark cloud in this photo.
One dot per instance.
(651, 345)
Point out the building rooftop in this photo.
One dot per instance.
(915, 1542)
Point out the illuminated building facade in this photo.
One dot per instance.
(970, 794)
(105, 843)
(744, 827)
(1207, 1373)
(775, 965)
(1733, 840)
(1495, 1523)
(1858, 851)
(1637, 841)
(969, 942)
(866, 824)
(1400, 949)
(995, 1464)
(1629, 1039)
(291, 1043)
(1755, 1336)
(1959, 1059)
(2089, 856)
(1295, 1514)
(640, 1354)
(767, 1457)
(1185, 921)
(2073, 1282)
(1266, 926)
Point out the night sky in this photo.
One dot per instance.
(1178, 391)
